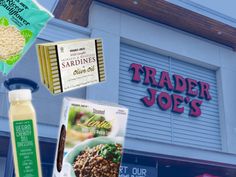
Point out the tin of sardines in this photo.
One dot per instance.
(90, 140)
(69, 65)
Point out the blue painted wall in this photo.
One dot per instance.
(189, 52)
(159, 40)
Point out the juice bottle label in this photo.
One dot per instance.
(25, 148)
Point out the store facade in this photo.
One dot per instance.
(159, 128)
(178, 87)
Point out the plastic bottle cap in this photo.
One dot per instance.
(20, 95)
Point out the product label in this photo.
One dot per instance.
(25, 148)
(78, 64)
(92, 136)
(18, 29)
(15, 9)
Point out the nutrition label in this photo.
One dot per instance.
(25, 148)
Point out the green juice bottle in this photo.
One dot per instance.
(24, 135)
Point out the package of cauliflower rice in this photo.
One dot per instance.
(20, 23)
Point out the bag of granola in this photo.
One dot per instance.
(20, 23)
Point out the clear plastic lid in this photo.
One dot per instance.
(20, 95)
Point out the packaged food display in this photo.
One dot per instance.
(69, 65)
(24, 134)
(20, 23)
(90, 139)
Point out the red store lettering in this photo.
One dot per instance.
(165, 101)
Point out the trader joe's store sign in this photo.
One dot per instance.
(195, 91)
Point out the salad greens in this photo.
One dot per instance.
(110, 152)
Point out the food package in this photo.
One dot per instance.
(69, 65)
(20, 23)
(91, 138)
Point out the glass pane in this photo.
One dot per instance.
(47, 152)
(4, 143)
(4, 147)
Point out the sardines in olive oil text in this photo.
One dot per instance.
(70, 65)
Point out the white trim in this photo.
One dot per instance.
(54, 6)
(223, 127)
(172, 54)
(57, 30)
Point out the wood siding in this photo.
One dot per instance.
(77, 11)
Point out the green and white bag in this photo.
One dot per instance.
(20, 23)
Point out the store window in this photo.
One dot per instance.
(3, 154)
(155, 124)
(47, 152)
(138, 165)
(181, 168)
(153, 166)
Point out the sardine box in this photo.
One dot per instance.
(70, 65)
